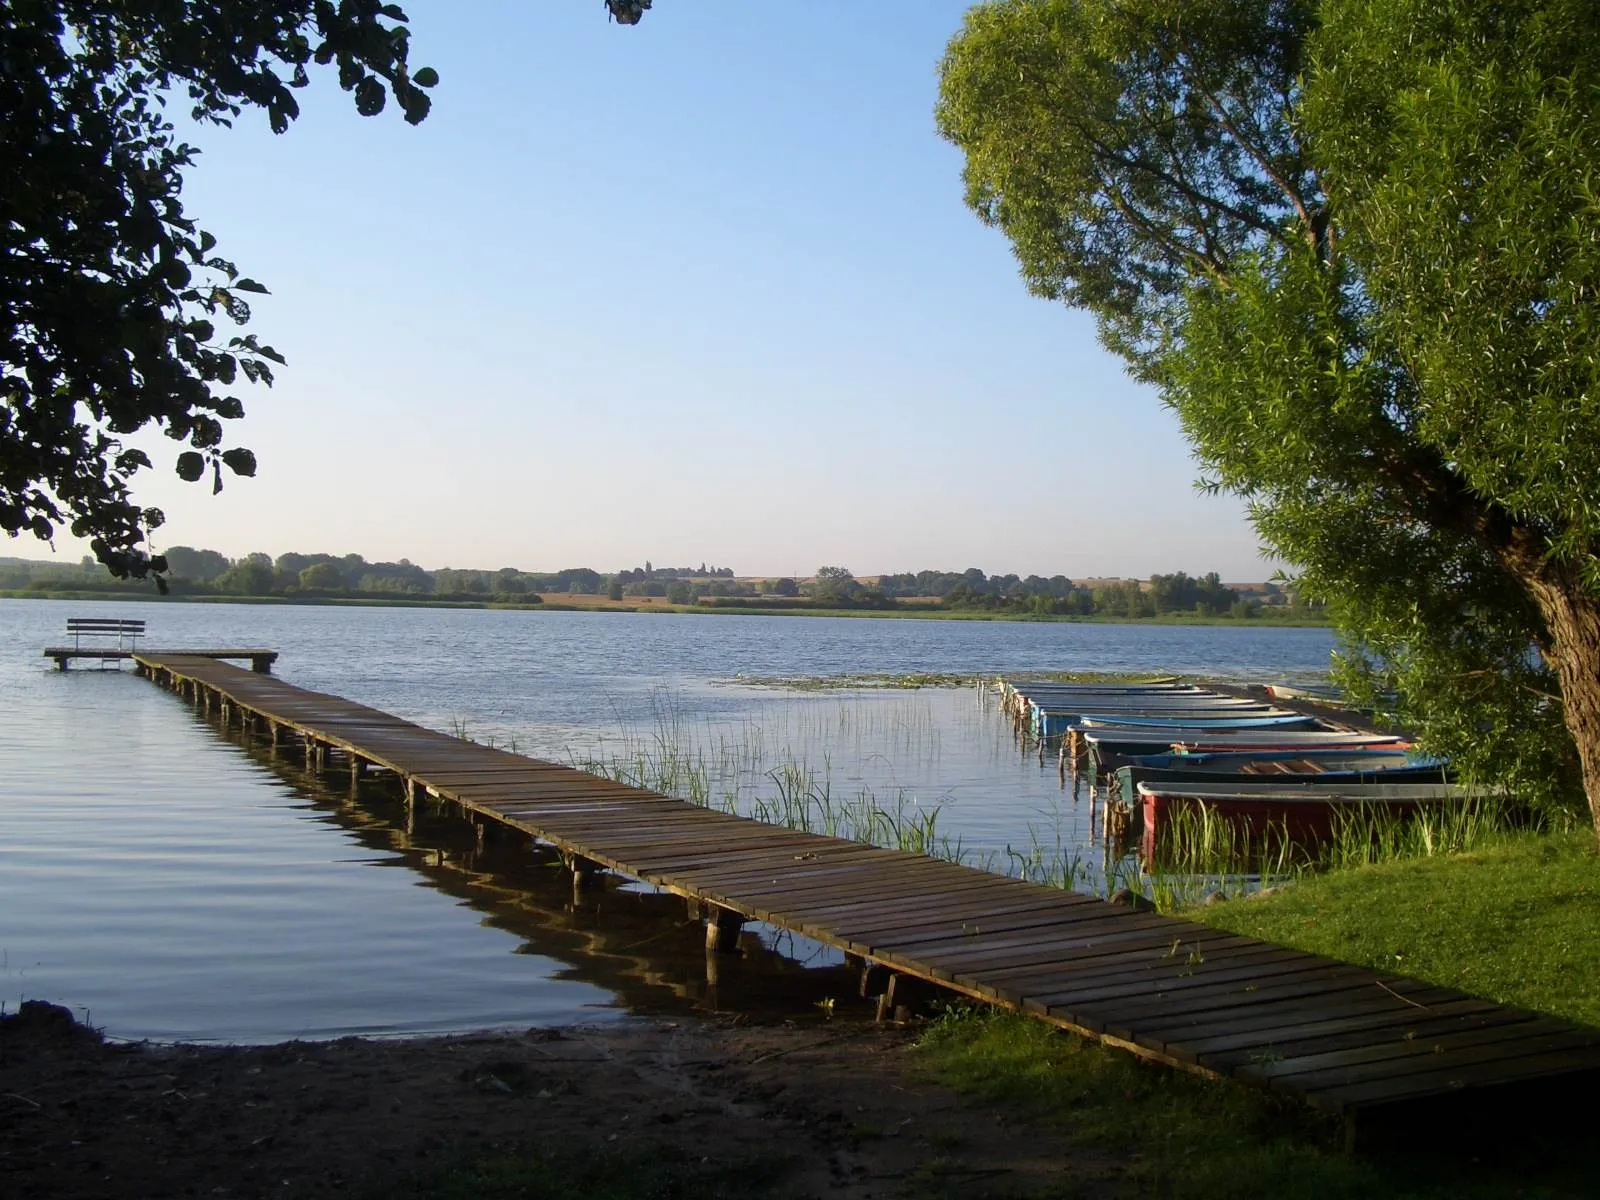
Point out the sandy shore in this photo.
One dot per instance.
(827, 1109)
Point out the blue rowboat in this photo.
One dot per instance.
(1301, 761)
(1111, 747)
(1264, 721)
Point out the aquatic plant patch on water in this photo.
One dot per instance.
(871, 681)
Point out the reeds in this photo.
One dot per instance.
(1199, 851)
(750, 772)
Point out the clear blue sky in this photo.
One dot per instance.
(702, 289)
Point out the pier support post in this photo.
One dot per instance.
(904, 995)
(584, 871)
(722, 930)
(875, 980)
(709, 999)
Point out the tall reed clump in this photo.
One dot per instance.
(746, 775)
(1200, 851)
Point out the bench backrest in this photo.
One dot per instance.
(126, 630)
(104, 625)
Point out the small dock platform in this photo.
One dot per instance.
(260, 660)
(1379, 1049)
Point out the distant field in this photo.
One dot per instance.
(587, 600)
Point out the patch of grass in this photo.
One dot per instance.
(1512, 921)
(659, 1173)
(1184, 1136)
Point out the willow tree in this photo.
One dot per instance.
(1353, 244)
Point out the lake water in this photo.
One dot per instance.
(171, 883)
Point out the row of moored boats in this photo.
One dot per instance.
(1163, 745)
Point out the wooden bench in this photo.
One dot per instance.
(126, 632)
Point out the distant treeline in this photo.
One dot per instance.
(350, 576)
(972, 590)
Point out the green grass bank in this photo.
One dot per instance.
(1512, 921)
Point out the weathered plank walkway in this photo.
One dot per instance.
(1339, 1037)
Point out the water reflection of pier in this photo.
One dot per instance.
(629, 939)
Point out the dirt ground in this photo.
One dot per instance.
(841, 1106)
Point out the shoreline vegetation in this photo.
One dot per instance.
(575, 603)
(324, 579)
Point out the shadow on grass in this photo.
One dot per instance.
(1181, 1135)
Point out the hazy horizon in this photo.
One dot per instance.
(634, 292)
(689, 571)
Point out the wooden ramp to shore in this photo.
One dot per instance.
(1340, 1037)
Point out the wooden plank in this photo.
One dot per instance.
(1368, 1028)
(1183, 983)
(1454, 1078)
(1055, 967)
(666, 844)
(1075, 920)
(892, 890)
(1174, 1032)
(883, 874)
(1120, 1018)
(1150, 966)
(682, 860)
(1116, 953)
(1073, 931)
(1344, 1052)
(794, 904)
(1055, 952)
(956, 918)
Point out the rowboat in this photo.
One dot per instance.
(1376, 768)
(1270, 720)
(1110, 748)
(1051, 718)
(1294, 761)
(1303, 812)
(1319, 692)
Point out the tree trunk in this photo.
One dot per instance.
(1572, 617)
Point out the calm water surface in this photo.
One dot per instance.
(174, 885)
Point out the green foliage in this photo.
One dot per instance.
(834, 585)
(114, 301)
(1353, 245)
(323, 575)
(1093, 134)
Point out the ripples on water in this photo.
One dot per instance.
(174, 886)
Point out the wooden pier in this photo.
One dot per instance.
(1373, 1047)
